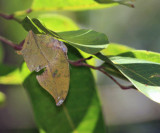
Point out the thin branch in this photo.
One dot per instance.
(24, 12)
(101, 69)
(127, 4)
(9, 17)
(6, 16)
(13, 16)
(10, 43)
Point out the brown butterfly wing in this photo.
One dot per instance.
(43, 51)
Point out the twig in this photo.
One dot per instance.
(12, 16)
(101, 69)
(127, 4)
(10, 43)
(24, 12)
(9, 17)
(5, 16)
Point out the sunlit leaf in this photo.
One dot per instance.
(43, 51)
(50, 5)
(122, 50)
(2, 98)
(81, 111)
(43, 28)
(142, 54)
(13, 75)
(115, 49)
(57, 22)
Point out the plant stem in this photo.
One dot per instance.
(13, 16)
(101, 69)
(10, 43)
(20, 13)
(9, 17)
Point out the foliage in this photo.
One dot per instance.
(81, 111)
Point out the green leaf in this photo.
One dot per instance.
(109, 66)
(28, 25)
(115, 49)
(88, 41)
(143, 55)
(37, 27)
(6, 69)
(81, 112)
(110, 69)
(112, 50)
(142, 69)
(13, 75)
(50, 5)
(2, 98)
(57, 23)
(122, 50)
(44, 29)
